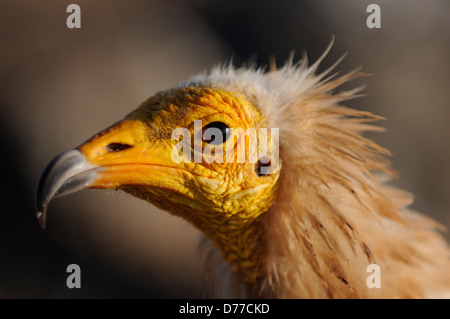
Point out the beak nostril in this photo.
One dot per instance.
(117, 147)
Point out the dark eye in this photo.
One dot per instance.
(212, 132)
(262, 166)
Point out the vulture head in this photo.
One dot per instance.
(275, 172)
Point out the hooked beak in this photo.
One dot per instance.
(117, 157)
(66, 173)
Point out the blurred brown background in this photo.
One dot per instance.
(59, 86)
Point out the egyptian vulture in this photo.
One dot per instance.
(303, 212)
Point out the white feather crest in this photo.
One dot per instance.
(333, 216)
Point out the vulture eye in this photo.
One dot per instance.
(262, 166)
(117, 147)
(213, 130)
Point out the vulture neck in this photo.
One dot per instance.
(242, 245)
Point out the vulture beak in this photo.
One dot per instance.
(121, 155)
(66, 173)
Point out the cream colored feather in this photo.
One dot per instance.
(311, 228)
(334, 214)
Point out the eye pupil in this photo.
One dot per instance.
(209, 133)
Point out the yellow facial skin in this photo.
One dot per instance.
(223, 200)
